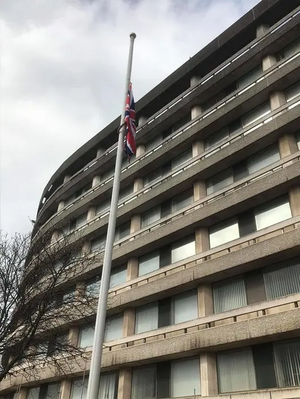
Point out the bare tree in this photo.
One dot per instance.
(37, 304)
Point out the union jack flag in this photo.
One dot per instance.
(130, 128)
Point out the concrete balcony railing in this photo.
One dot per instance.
(229, 329)
(279, 229)
(282, 393)
(231, 317)
(185, 166)
(188, 92)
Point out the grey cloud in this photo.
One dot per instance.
(62, 75)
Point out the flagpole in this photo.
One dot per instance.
(95, 367)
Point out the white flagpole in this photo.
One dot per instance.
(95, 368)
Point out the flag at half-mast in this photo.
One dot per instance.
(130, 127)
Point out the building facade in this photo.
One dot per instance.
(205, 285)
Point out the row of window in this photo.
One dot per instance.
(211, 141)
(286, 53)
(273, 365)
(241, 225)
(219, 181)
(270, 283)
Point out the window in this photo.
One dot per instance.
(86, 336)
(243, 169)
(229, 294)
(249, 77)
(185, 378)
(182, 200)
(102, 207)
(183, 249)
(183, 121)
(256, 114)
(287, 363)
(80, 221)
(114, 328)
(125, 192)
(292, 92)
(290, 50)
(98, 244)
(69, 296)
(216, 138)
(107, 390)
(144, 383)
(93, 286)
(33, 393)
(151, 216)
(273, 212)
(184, 307)
(282, 280)
(148, 263)
(154, 142)
(219, 181)
(107, 174)
(53, 391)
(236, 371)
(180, 159)
(118, 276)
(74, 257)
(78, 193)
(146, 318)
(151, 177)
(224, 232)
(122, 231)
(263, 159)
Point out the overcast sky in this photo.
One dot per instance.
(63, 65)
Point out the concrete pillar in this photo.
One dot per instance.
(132, 269)
(65, 389)
(142, 120)
(199, 190)
(268, 62)
(135, 223)
(201, 240)
(80, 289)
(261, 30)
(197, 148)
(208, 374)
(140, 149)
(129, 322)
(66, 178)
(196, 110)
(91, 213)
(205, 300)
(96, 181)
(277, 99)
(73, 336)
(287, 145)
(124, 385)
(100, 151)
(55, 236)
(138, 184)
(22, 394)
(61, 205)
(194, 80)
(294, 196)
(86, 248)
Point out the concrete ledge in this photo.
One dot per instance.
(248, 332)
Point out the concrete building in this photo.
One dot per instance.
(205, 288)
